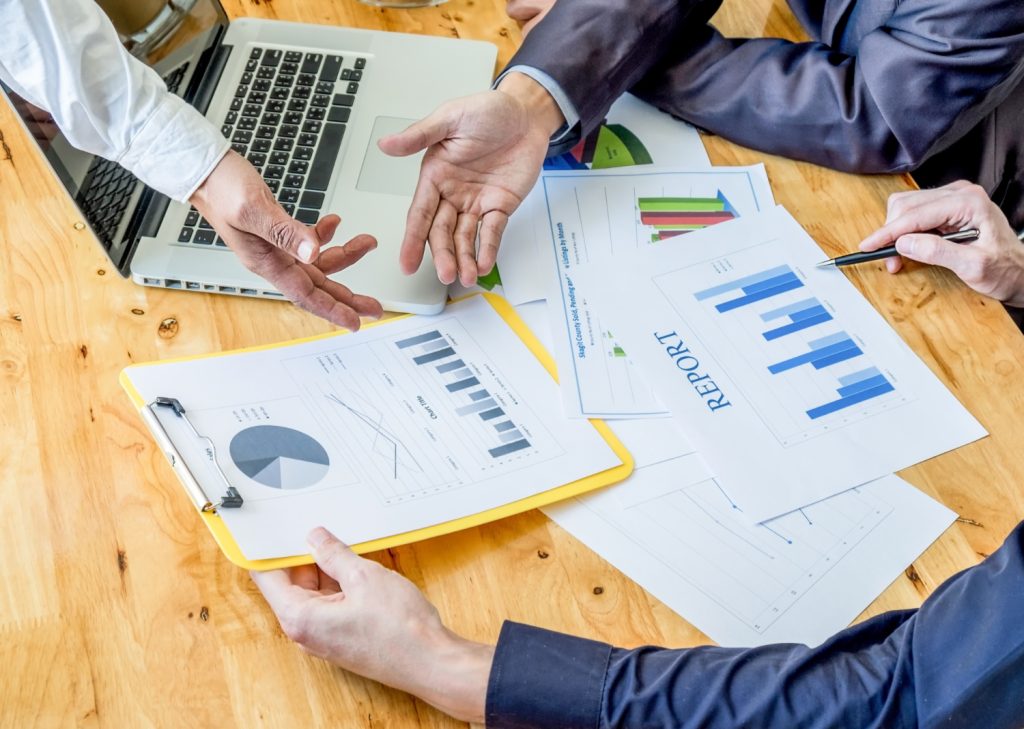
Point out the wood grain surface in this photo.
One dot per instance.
(118, 610)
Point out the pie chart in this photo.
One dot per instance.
(279, 457)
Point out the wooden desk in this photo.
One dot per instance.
(117, 609)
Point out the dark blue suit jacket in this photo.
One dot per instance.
(957, 663)
(935, 86)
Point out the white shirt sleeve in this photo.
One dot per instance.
(64, 56)
(568, 134)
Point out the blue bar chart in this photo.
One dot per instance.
(823, 352)
(472, 400)
(801, 315)
(754, 288)
(854, 388)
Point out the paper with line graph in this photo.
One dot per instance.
(398, 427)
(782, 375)
(796, 579)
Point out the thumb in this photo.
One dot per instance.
(418, 136)
(288, 234)
(930, 249)
(332, 555)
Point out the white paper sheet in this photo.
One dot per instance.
(786, 380)
(397, 427)
(596, 217)
(668, 142)
(799, 578)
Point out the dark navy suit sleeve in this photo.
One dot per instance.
(956, 662)
(903, 92)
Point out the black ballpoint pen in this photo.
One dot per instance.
(960, 236)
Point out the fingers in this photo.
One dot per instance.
(442, 242)
(465, 247)
(934, 250)
(279, 590)
(422, 212)
(492, 227)
(275, 226)
(333, 556)
(326, 227)
(337, 258)
(936, 213)
(417, 137)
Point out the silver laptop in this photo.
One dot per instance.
(306, 105)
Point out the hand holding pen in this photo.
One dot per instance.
(992, 264)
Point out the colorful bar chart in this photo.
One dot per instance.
(433, 349)
(673, 216)
(824, 352)
(854, 388)
(801, 315)
(755, 287)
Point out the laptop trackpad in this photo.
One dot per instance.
(389, 175)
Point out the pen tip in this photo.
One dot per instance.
(826, 264)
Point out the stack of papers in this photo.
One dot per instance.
(766, 403)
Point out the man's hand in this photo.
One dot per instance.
(528, 12)
(993, 265)
(370, 620)
(288, 254)
(484, 153)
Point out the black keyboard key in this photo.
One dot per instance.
(293, 117)
(280, 93)
(261, 145)
(312, 127)
(251, 65)
(326, 156)
(274, 185)
(325, 87)
(298, 167)
(266, 73)
(306, 79)
(304, 153)
(226, 130)
(353, 88)
(204, 237)
(255, 53)
(360, 63)
(288, 131)
(339, 114)
(271, 58)
(242, 137)
(241, 90)
(204, 224)
(343, 100)
(296, 105)
(294, 180)
(236, 104)
(231, 117)
(257, 159)
(317, 113)
(329, 72)
(271, 120)
(309, 217)
(284, 145)
(292, 68)
(293, 56)
(284, 80)
(288, 208)
(252, 110)
(307, 140)
(279, 158)
(273, 173)
(311, 63)
(185, 235)
(247, 77)
(247, 124)
(357, 75)
(192, 218)
(289, 195)
(275, 105)
(221, 243)
(265, 133)
(257, 97)
(321, 101)
(301, 92)
(346, 75)
(312, 200)
(261, 85)
(240, 148)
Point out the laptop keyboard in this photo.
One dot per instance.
(288, 118)
(107, 186)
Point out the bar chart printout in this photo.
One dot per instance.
(432, 349)
(673, 216)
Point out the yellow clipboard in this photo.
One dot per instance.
(227, 543)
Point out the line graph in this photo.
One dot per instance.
(394, 451)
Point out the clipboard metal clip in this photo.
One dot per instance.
(231, 499)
